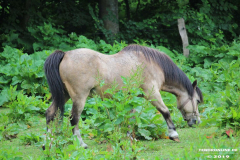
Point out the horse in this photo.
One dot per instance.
(72, 74)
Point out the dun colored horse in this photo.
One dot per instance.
(72, 74)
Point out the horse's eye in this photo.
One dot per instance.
(198, 101)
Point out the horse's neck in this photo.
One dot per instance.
(178, 91)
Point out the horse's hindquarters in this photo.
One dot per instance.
(78, 71)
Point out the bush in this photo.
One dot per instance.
(30, 138)
(24, 71)
(218, 71)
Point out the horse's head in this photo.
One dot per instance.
(189, 106)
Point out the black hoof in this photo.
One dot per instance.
(176, 139)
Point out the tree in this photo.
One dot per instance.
(108, 11)
(127, 9)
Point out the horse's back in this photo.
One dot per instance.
(82, 55)
(81, 69)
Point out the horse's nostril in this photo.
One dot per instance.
(194, 121)
(191, 122)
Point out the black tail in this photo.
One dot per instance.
(51, 67)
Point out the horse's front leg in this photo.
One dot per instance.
(161, 107)
(78, 105)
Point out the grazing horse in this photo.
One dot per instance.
(72, 74)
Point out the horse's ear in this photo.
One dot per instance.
(194, 84)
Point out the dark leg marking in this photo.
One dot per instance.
(168, 119)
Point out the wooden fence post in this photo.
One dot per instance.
(183, 34)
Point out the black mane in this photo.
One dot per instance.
(172, 73)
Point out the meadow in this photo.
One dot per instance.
(25, 97)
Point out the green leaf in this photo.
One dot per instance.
(107, 104)
(138, 108)
(4, 97)
(7, 70)
(138, 100)
(165, 50)
(90, 110)
(119, 120)
(92, 101)
(207, 62)
(145, 133)
(234, 113)
(26, 85)
(4, 80)
(37, 46)
(40, 74)
(22, 126)
(124, 79)
(16, 80)
(33, 108)
(108, 127)
(25, 57)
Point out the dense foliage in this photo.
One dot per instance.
(30, 32)
(25, 93)
(35, 25)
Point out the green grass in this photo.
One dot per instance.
(192, 139)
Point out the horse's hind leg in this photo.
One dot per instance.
(78, 105)
(51, 111)
(50, 114)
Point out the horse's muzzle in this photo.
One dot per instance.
(191, 122)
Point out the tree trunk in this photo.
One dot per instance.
(183, 34)
(127, 9)
(26, 16)
(109, 14)
(136, 13)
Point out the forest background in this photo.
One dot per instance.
(31, 30)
